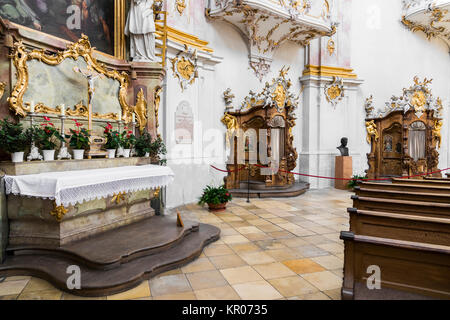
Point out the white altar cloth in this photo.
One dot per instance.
(72, 187)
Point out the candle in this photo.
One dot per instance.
(133, 117)
(32, 106)
(63, 109)
(120, 116)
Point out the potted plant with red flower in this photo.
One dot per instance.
(112, 140)
(216, 198)
(45, 137)
(127, 141)
(79, 140)
(13, 139)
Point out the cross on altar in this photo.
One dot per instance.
(91, 75)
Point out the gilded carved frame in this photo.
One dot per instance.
(83, 49)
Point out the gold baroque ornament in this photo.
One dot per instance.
(334, 92)
(372, 131)
(232, 125)
(157, 102)
(118, 198)
(180, 5)
(331, 46)
(2, 89)
(184, 67)
(80, 49)
(58, 212)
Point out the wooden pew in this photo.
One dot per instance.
(397, 226)
(436, 178)
(404, 187)
(408, 270)
(430, 209)
(402, 195)
(422, 182)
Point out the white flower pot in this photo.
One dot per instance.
(49, 155)
(17, 157)
(78, 154)
(147, 155)
(111, 153)
(126, 153)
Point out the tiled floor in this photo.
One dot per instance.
(269, 249)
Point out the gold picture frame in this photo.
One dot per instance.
(80, 49)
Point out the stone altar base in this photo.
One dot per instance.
(343, 169)
(114, 261)
(31, 220)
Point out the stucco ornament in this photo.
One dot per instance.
(335, 92)
(184, 67)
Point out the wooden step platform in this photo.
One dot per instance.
(404, 187)
(441, 183)
(295, 190)
(402, 195)
(116, 260)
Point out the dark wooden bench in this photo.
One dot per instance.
(426, 196)
(431, 209)
(400, 226)
(436, 178)
(408, 270)
(441, 183)
(405, 187)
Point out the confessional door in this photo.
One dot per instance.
(392, 151)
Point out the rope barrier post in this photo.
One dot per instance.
(248, 184)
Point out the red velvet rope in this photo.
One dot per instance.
(333, 178)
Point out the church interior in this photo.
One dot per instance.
(224, 150)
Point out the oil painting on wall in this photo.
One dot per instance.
(66, 19)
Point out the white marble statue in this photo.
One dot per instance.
(140, 27)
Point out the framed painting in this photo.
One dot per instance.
(102, 21)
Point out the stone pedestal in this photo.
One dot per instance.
(343, 169)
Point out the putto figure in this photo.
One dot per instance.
(140, 27)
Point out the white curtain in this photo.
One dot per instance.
(417, 144)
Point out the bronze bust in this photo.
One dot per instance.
(343, 147)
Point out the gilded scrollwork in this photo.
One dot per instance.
(335, 92)
(80, 49)
(80, 110)
(58, 212)
(157, 102)
(184, 67)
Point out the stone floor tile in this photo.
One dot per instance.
(329, 262)
(332, 247)
(283, 254)
(311, 296)
(52, 294)
(324, 280)
(12, 287)
(235, 239)
(177, 296)
(258, 290)
(241, 275)
(273, 270)
(221, 293)
(169, 285)
(247, 230)
(334, 294)
(257, 236)
(303, 266)
(201, 264)
(141, 291)
(256, 257)
(228, 261)
(309, 251)
(243, 247)
(217, 250)
(36, 284)
(206, 280)
(292, 286)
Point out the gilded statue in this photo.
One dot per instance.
(231, 123)
(141, 110)
(371, 131)
(2, 89)
(437, 132)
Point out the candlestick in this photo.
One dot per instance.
(133, 117)
(63, 110)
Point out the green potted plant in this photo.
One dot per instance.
(216, 198)
(46, 136)
(355, 179)
(143, 144)
(157, 148)
(79, 140)
(112, 140)
(13, 139)
(127, 141)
